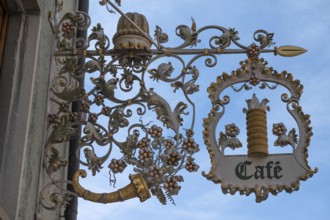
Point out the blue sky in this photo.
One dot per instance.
(294, 22)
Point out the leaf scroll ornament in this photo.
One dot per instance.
(225, 39)
(163, 71)
(62, 131)
(70, 92)
(55, 161)
(172, 119)
(92, 134)
(106, 88)
(160, 36)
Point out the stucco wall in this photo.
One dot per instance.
(24, 88)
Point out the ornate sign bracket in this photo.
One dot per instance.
(118, 97)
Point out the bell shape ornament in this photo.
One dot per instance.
(128, 36)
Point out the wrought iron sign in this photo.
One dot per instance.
(159, 150)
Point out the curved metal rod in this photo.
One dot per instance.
(137, 188)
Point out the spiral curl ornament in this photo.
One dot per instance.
(285, 97)
(211, 62)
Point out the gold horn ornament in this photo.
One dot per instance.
(137, 188)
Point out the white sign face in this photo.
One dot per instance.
(262, 175)
(257, 172)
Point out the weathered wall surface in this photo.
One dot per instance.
(24, 88)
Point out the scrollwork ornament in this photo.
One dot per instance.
(107, 3)
(97, 34)
(68, 65)
(62, 132)
(163, 71)
(55, 161)
(160, 37)
(225, 39)
(68, 26)
(59, 198)
(94, 132)
(188, 34)
(67, 91)
(264, 38)
(156, 150)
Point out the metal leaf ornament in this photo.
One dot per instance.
(171, 119)
(62, 131)
(70, 93)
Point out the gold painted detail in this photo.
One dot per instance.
(254, 68)
(289, 51)
(260, 192)
(206, 135)
(256, 121)
(137, 188)
(305, 127)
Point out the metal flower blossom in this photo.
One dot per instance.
(283, 140)
(229, 138)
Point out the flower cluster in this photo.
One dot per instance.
(73, 116)
(169, 144)
(156, 172)
(155, 131)
(92, 117)
(190, 145)
(232, 130)
(53, 118)
(279, 129)
(159, 159)
(106, 111)
(98, 100)
(68, 29)
(143, 143)
(63, 107)
(191, 166)
(171, 184)
(254, 80)
(189, 132)
(84, 107)
(174, 158)
(145, 154)
(253, 51)
(117, 166)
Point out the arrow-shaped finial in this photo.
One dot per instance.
(289, 51)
